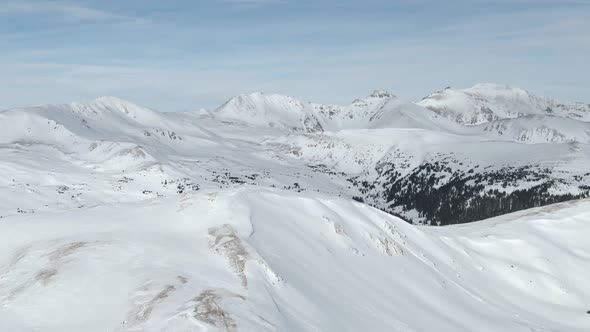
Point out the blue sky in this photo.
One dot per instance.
(182, 55)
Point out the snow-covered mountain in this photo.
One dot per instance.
(380, 109)
(539, 129)
(397, 156)
(252, 259)
(488, 102)
(275, 111)
(262, 192)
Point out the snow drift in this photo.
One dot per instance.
(268, 260)
(116, 217)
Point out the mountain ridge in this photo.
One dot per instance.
(271, 259)
(488, 102)
(400, 157)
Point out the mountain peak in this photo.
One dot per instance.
(486, 102)
(268, 110)
(375, 96)
(381, 94)
(112, 102)
(115, 105)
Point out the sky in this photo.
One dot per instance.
(186, 54)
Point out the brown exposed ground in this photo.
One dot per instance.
(142, 312)
(225, 241)
(208, 310)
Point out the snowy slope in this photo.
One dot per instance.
(361, 113)
(264, 260)
(487, 102)
(86, 154)
(380, 109)
(68, 156)
(539, 129)
(116, 217)
(270, 110)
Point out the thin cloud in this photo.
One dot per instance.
(67, 11)
(199, 60)
(253, 3)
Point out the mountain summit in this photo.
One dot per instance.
(488, 102)
(271, 213)
(456, 156)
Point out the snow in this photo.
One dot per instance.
(270, 259)
(539, 129)
(262, 110)
(488, 102)
(117, 217)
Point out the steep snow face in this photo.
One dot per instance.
(275, 111)
(268, 260)
(488, 102)
(360, 114)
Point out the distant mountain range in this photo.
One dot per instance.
(455, 156)
(259, 215)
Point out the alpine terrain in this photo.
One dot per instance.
(271, 213)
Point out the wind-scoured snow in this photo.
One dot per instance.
(117, 217)
(265, 260)
(487, 102)
(135, 153)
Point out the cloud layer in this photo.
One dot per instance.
(180, 55)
